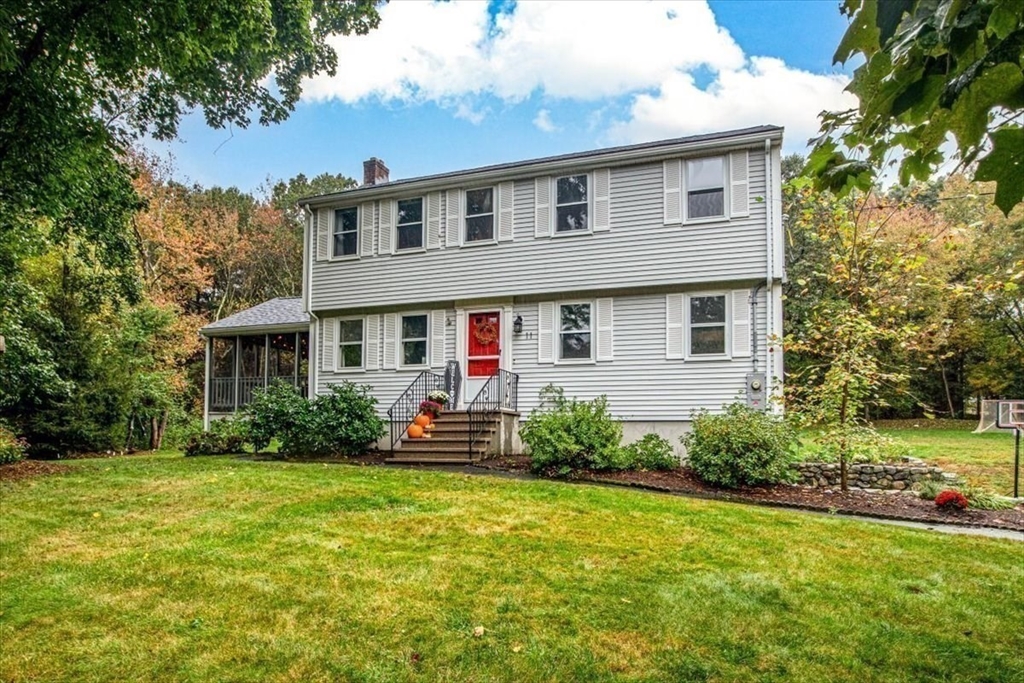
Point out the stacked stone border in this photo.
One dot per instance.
(887, 476)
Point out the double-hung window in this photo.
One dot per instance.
(574, 332)
(480, 215)
(414, 340)
(350, 344)
(705, 188)
(707, 325)
(346, 232)
(571, 204)
(409, 225)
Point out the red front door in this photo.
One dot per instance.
(484, 344)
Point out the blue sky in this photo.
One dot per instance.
(445, 86)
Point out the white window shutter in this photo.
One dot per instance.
(602, 199)
(371, 343)
(673, 326)
(506, 195)
(740, 322)
(546, 332)
(366, 229)
(390, 341)
(437, 339)
(328, 343)
(605, 331)
(452, 222)
(673, 175)
(739, 184)
(542, 207)
(323, 234)
(434, 220)
(387, 227)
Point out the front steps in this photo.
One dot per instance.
(448, 443)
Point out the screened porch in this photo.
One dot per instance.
(240, 364)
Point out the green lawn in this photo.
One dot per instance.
(216, 569)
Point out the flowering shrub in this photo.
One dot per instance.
(951, 500)
(431, 407)
(12, 449)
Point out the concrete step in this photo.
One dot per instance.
(451, 450)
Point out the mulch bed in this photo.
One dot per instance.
(23, 469)
(903, 506)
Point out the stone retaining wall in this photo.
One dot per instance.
(898, 477)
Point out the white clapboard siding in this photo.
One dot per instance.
(452, 219)
(673, 326)
(605, 329)
(602, 200)
(387, 227)
(371, 346)
(739, 184)
(366, 229)
(542, 208)
(329, 332)
(546, 332)
(390, 341)
(437, 330)
(434, 220)
(506, 198)
(740, 323)
(672, 197)
(323, 234)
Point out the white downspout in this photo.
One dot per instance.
(307, 300)
(769, 307)
(206, 388)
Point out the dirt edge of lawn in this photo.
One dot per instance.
(893, 506)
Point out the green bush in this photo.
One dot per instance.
(652, 452)
(343, 422)
(569, 434)
(741, 447)
(225, 437)
(863, 444)
(980, 499)
(929, 488)
(12, 448)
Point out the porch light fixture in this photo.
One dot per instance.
(517, 325)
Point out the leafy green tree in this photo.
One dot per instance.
(933, 68)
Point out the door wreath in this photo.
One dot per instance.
(485, 333)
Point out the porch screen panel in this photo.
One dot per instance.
(282, 358)
(253, 367)
(222, 374)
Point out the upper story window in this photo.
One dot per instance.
(410, 223)
(350, 344)
(571, 203)
(346, 232)
(707, 325)
(705, 188)
(414, 340)
(480, 215)
(574, 332)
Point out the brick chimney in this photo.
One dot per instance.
(374, 172)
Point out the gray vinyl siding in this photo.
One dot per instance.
(639, 250)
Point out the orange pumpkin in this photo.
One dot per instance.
(422, 420)
(415, 431)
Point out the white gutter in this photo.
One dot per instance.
(308, 234)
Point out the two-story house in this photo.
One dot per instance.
(650, 273)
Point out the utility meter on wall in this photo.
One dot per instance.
(755, 390)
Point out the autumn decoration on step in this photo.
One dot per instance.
(431, 408)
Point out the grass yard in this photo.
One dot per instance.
(170, 569)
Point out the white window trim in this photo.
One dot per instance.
(685, 190)
(555, 205)
(463, 242)
(395, 250)
(400, 341)
(558, 333)
(359, 229)
(338, 367)
(727, 355)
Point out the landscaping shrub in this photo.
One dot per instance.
(225, 437)
(951, 500)
(652, 452)
(864, 444)
(273, 412)
(929, 488)
(570, 434)
(12, 448)
(980, 499)
(741, 447)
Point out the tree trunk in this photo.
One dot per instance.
(156, 433)
(131, 433)
(843, 445)
(945, 385)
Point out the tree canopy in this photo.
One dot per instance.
(933, 69)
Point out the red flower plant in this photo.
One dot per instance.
(951, 500)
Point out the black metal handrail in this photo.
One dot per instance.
(407, 407)
(500, 391)
(453, 382)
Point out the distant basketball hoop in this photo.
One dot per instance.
(1010, 415)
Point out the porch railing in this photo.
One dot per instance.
(407, 407)
(499, 392)
(222, 390)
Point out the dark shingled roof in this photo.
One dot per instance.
(279, 312)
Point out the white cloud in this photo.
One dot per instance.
(543, 121)
(454, 54)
